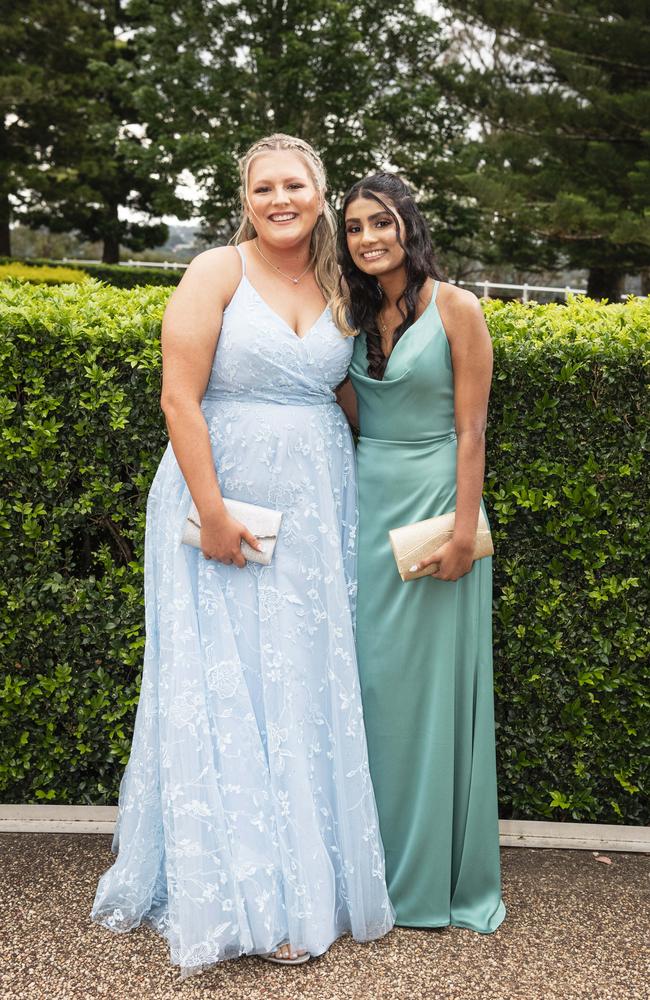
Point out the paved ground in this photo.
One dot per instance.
(577, 929)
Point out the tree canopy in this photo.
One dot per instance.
(76, 147)
(352, 78)
(523, 128)
(562, 168)
(35, 98)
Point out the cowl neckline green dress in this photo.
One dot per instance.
(424, 649)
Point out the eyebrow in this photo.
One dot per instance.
(371, 218)
(287, 180)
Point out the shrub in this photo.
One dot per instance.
(119, 275)
(566, 490)
(42, 275)
(81, 436)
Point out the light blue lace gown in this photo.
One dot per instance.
(246, 813)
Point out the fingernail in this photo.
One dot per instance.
(414, 569)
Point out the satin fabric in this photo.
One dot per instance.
(424, 650)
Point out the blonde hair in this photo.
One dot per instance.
(323, 238)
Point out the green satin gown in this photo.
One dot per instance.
(424, 649)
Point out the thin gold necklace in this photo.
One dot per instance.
(289, 276)
(382, 324)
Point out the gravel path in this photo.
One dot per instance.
(577, 929)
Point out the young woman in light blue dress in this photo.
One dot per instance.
(247, 822)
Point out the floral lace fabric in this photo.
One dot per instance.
(246, 812)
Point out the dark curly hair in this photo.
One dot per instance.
(364, 291)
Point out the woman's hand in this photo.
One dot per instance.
(454, 558)
(221, 538)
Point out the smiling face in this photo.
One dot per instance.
(371, 236)
(283, 200)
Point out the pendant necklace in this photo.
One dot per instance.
(289, 276)
(385, 335)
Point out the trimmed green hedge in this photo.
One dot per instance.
(42, 275)
(119, 275)
(81, 435)
(567, 494)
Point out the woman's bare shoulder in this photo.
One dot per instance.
(222, 260)
(458, 302)
(460, 311)
(213, 275)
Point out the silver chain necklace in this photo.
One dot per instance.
(289, 276)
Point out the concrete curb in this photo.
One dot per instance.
(571, 836)
(513, 832)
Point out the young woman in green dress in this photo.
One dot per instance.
(418, 394)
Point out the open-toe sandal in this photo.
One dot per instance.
(298, 960)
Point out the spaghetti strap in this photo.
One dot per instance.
(243, 258)
(435, 291)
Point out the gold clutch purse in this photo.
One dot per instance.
(415, 542)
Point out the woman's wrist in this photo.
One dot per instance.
(464, 540)
(213, 513)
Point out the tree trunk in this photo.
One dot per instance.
(111, 252)
(5, 231)
(605, 283)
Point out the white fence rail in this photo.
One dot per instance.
(527, 290)
(173, 264)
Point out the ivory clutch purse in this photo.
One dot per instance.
(415, 542)
(263, 522)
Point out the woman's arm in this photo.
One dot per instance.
(190, 331)
(346, 397)
(471, 354)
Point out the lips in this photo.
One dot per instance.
(373, 254)
(283, 216)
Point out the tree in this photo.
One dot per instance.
(35, 96)
(94, 156)
(156, 89)
(562, 169)
(337, 73)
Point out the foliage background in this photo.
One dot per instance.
(112, 274)
(524, 129)
(81, 435)
(560, 171)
